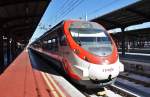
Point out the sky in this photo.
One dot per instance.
(59, 10)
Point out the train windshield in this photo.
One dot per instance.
(92, 37)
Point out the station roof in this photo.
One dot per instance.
(137, 34)
(136, 13)
(19, 18)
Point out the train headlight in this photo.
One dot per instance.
(121, 67)
(105, 62)
(76, 51)
(85, 58)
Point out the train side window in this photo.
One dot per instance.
(63, 41)
(49, 44)
(49, 41)
(55, 44)
(53, 40)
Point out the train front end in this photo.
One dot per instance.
(94, 57)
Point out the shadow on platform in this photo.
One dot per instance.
(41, 64)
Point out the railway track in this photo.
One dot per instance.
(120, 91)
(137, 81)
(125, 89)
(111, 91)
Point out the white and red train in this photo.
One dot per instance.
(84, 50)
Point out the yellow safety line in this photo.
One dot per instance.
(56, 86)
(49, 85)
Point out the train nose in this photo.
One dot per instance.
(93, 73)
(101, 72)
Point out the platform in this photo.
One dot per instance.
(138, 57)
(23, 78)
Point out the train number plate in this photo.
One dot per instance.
(108, 69)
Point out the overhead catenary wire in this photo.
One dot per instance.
(69, 5)
(102, 7)
(77, 3)
(65, 6)
(61, 8)
(71, 8)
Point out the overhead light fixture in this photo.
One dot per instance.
(27, 10)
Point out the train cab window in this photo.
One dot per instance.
(92, 37)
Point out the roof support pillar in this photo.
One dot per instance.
(1, 54)
(8, 50)
(123, 40)
(13, 48)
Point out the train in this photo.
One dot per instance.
(84, 50)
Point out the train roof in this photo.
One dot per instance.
(52, 29)
(48, 31)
